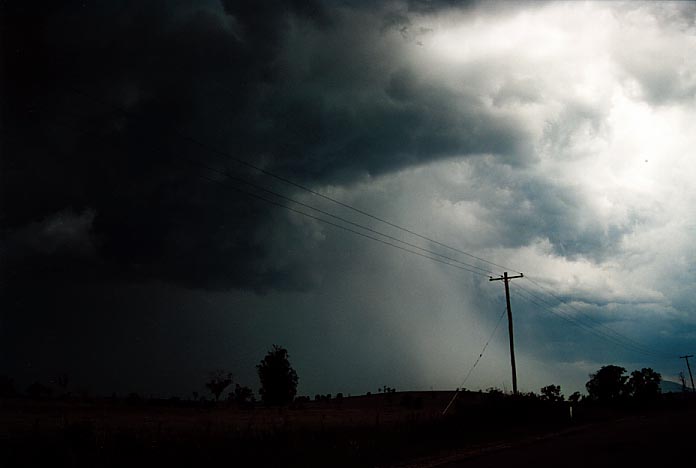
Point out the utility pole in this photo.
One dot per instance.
(506, 279)
(686, 358)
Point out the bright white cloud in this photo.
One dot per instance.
(609, 99)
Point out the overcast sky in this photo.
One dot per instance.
(553, 139)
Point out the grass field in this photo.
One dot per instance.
(375, 430)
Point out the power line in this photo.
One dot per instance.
(613, 334)
(530, 297)
(616, 341)
(456, 392)
(598, 333)
(316, 193)
(228, 156)
(588, 329)
(331, 215)
(362, 234)
(447, 260)
(587, 316)
(464, 266)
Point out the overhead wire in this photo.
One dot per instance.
(447, 260)
(443, 259)
(478, 359)
(543, 305)
(331, 215)
(604, 330)
(325, 221)
(583, 314)
(228, 156)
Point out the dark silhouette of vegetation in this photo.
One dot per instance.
(575, 397)
(529, 396)
(243, 396)
(62, 381)
(39, 390)
(219, 381)
(383, 430)
(608, 384)
(278, 378)
(645, 384)
(552, 393)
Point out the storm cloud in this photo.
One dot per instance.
(102, 98)
(554, 137)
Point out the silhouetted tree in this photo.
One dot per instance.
(38, 390)
(645, 384)
(243, 396)
(607, 384)
(278, 378)
(494, 393)
(552, 393)
(62, 381)
(575, 397)
(219, 381)
(529, 396)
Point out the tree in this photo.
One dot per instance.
(219, 381)
(575, 397)
(62, 381)
(243, 396)
(278, 378)
(552, 393)
(38, 390)
(645, 384)
(607, 384)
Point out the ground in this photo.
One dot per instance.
(404, 429)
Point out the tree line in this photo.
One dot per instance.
(277, 377)
(278, 385)
(610, 384)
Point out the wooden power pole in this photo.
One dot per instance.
(506, 279)
(686, 358)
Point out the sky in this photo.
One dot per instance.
(159, 160)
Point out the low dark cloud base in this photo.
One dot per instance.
(98, 100)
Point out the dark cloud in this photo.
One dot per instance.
(97, 99)
(431, 6)
(109, 221)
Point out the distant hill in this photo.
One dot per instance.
(667, 386)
